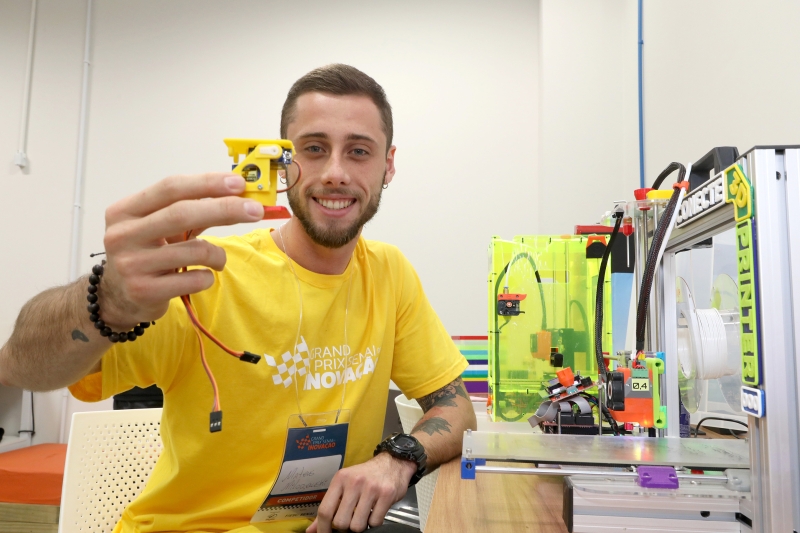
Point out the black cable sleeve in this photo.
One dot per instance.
(598, 305)
(649, 271)
(672, 167)
(655, 246)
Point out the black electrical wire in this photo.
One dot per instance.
(32, 431)
(604, 412)
(655, 247)
(672, 167)
(538, 280)
(583, 314)
(598, 305)
(697, 427)
(496, 293)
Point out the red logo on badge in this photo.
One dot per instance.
(304, 442)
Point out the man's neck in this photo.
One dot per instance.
(302, 250)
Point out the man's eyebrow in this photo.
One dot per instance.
(350, 137)
(313, 134)
(360, 137)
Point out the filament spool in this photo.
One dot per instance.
(713, 341)
(704, 347)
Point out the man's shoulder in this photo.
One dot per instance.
(383, 253)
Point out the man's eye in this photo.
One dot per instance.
(314, 149)
(360, 151)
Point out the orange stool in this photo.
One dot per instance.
(33, 474)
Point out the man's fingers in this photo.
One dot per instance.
(193, 234)
(328, 505)
(195, 252)
(190, 214)
(380, 508)
(362, 511)
(344, 514)
(149, 290)
(174, 189)
(313, 527)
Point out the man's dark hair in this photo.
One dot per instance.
(340, 80)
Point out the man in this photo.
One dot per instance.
(349, 311)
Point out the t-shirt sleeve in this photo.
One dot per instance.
(425, 357)
(155, 358)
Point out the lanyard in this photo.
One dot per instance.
(300, 324)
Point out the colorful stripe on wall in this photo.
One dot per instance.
(476, 350)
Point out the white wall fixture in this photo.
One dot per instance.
(21, 157)
(77, 215)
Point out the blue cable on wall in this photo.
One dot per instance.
(641, 107)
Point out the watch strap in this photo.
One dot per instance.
(416, 455)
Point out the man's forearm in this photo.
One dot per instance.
(53, 344)
(448, 413)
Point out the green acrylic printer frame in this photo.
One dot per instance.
(559, 284)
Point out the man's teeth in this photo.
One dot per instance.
(334, 204)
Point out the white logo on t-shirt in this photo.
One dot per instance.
(291, 365)
(332, 366)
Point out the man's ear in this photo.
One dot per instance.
(390, 170)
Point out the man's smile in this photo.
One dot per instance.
(334, 204)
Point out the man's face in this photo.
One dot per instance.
(342, 147)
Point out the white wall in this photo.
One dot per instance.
(719, 73)
(589, 110)
(171, 79)
(36, 206)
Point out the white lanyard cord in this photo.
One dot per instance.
(300, 324)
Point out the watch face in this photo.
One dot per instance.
(404, 442)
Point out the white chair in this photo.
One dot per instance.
(410, 412)
(110, 455)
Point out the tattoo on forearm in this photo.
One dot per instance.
(78, 335)
(433, 425)
(444, 397)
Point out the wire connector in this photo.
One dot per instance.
(215, 421)
(248, 357)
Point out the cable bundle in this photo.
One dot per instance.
(660, 238)
(598, 304)
(216, 410)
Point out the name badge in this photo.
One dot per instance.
(313, 455)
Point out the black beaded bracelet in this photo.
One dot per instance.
(94, 311)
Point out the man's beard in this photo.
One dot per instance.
(332, 236)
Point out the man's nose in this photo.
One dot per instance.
(334, 173)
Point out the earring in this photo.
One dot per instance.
(385, 186)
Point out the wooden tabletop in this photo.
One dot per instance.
(495, 503)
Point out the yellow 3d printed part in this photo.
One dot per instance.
(259, 167)
(551, 328)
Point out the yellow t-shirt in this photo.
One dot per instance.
(213, 482)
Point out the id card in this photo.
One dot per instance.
(314, 453)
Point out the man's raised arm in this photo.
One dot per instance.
(54, 344)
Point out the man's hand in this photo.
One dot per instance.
(145, 246)
(362, 494)
(54, 344)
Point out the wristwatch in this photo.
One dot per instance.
(406, 447)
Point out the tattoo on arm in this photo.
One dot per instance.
(78, 335)
(444, 397)
(433, 425)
